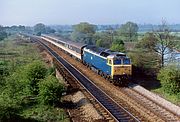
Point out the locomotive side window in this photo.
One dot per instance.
(110, 62)
(126, 61)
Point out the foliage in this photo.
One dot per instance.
(3, 33)
(35, 72)
(39, 28)
(17, 92)
(143, 57)
(129, 31)
(99, 43)
(160, 42)
(45, 113)
(49, 30)
(50, 91)
(145, 62)
(118, 45)
(13, 94)
(148, 42)
(4, 71)
(17, 96)
(42, 29)
(83, 32)
(170, 79)
(7, 111)
(103, 39)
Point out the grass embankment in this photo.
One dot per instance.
(29, 91)
(170, 97)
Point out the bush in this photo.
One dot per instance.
(8, 109)
(35, 72)
(17, 89)
(50, 91)
(45, 113)
(170, 79)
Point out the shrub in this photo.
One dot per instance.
(170, 79)
(35, 72)
(50, 91)
(45, 113)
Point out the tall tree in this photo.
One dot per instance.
(160, 41)
(165, 41)
(129, 31)
(83, 32)
(39, 28)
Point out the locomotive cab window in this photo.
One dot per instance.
(126, 61)
(117, 61)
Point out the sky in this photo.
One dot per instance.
(60, 12)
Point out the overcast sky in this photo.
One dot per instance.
(30, 12)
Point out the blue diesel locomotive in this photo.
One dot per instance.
(110, 64)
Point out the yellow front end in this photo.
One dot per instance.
(121, 70)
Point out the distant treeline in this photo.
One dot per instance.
(142, 27)
(69, 28)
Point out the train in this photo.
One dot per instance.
(114, 66)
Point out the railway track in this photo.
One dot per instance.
(114, 109)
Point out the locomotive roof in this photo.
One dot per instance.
(105, 52)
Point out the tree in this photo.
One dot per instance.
(3, 33)
(50, 30)
(21, 28)
(165, 41)
(129, 31)
(99, 43)
(83, 32)
(118, 45)
(103, 39)
(144, 58)
(39, 28)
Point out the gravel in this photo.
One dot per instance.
(84, 110)
(88, 110)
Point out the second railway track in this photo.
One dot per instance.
(114, 109)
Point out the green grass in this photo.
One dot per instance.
(172, 98)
